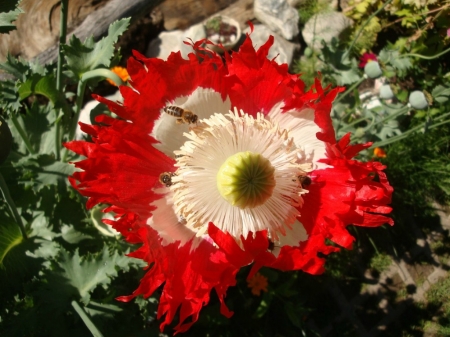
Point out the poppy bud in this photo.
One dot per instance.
(372, 69)
(418, 100)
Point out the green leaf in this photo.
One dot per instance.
(441, 94)
(43, 170)
(10, 236)
(8, 13)
(42, 85)
(9, 97)
(71, 235)
(88, 273)
(92, 55)
(16, 67)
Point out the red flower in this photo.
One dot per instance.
(258, 178)
(365, 58)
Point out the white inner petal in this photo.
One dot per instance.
(212, 142)
(302, 128)
(295, 234)
(167, 223)
(203, 102)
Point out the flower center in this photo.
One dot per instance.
(246, 179)
(240, 173)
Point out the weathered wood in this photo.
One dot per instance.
(38, 27)
(241, 11)
(183, 14)
(97, 23)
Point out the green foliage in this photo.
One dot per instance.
(90, 55)
(309, 8)
(10, 237)
(9, 11)
(85, 275)
(43, 275)
(420, 167)
(380, 262)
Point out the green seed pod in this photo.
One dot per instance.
(308, 52)
(372, 69)
(418, 100)
(359, 132)
(5, 140)
(386, 92)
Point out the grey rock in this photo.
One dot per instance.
(279, 16)
(168, 42)
(283, 51)
(325, 26)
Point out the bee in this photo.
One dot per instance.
(165, 178)
(182, 115)
(304, 180)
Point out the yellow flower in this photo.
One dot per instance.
(258, 283)
(121, 72)
(379, 152)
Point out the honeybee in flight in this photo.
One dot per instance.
(304, 180)
(182, 115)
(165, 178)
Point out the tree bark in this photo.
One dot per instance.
(97, 22)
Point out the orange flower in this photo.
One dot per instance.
(121, 72)
(258, 283)
(379, 152)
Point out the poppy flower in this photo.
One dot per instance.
(215, 164)
(121, 72)
(257, 284)
(379, 152)
(366, 58)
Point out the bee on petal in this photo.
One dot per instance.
(304, 180)
(165, 178)
(182, 115)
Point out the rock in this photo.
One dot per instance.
(325, 26)
(279, 16)
(168, 42)
(283, 50)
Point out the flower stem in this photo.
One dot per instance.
(426, 57)
(364, 26)
(91, 326)
(12, 206)
(22, 134)
(349, 90)
(62, 40)
(409, 132)
(394, 115)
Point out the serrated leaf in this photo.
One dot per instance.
(16, 67)
(401, 63)
(82, 57)
(71, 235)
(9, 97)
(8, 14)
(88, 273)
(441, 94)
(44, 170)
(35, 123)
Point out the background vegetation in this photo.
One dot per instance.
(61, 267)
